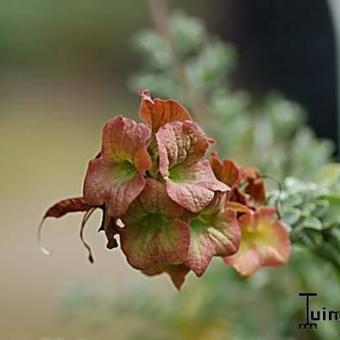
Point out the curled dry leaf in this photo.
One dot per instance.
(61, 208)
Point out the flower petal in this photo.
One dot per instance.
(239, 208)
(180, 144)
(158, 112)
(115, 184)
(126, 141)
(153, 231)
(193, 186)
(156, 241)
(176, 272)
(116, 176)
(190, 179)
(214, 232)
(254, 190)
(225, 171)
(154, 201)
(264, 242)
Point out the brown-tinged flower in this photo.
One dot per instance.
(213, 232)
(155, 229)
(264, 242)
(116, 177)
(177, 272)
(251, 190)
(225, 171)
(189, 178)
(158, 112)
(247, 186)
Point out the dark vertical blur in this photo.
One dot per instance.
(288, 45)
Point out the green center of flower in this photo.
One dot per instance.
(176, 173)
(255, 236)
(200, 222)
(154, 221)
(124, 170)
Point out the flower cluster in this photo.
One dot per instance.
(172, 209)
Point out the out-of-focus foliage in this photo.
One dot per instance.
(219, 306)
(313, 212)
(196, 68)
(224, 306)
(76, 35)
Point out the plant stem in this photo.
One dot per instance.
(159, 12)
(160, 17)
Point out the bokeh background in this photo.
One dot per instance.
(65, 68)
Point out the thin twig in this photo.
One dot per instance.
(159, 12)
(160, 16)
(39, 233)
(86, 217)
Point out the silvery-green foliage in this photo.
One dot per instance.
(312, 212)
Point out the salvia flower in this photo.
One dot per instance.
(264, 238)
(264, 242)
(168, 207)
(117, 175)
(155, 229)
(213, 232)
(189, 178)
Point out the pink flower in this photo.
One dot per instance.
(189, 178)
(157, 112)
(155, 229)
(116, 177)
(213, 232)
(264, 242)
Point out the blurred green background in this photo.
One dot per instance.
(65, 68)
